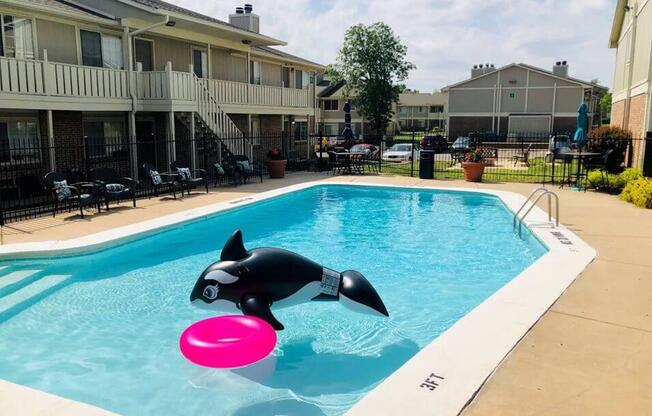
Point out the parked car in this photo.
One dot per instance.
(400, 152)
(463, 144)
(370, 151)
(437, 143)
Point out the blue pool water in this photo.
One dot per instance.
(106, 330)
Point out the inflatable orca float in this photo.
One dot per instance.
(252, 281)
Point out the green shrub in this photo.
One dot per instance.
(638, 192)
(630, 175)
(610, 181)
(608, 137)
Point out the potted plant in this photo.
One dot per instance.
(473, 165)
(276, 164)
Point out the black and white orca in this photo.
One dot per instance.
(251, 281)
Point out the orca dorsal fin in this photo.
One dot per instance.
(234, 248)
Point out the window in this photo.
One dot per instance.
(331, 105)
(144, 53)
(91, 48)
(301, 79)
(200, 63)
(104, 137)
(254, 72)
(112, 52)
(16, 40)
(285, 77)
(331, 129)
(421, 110)
(436, 108)
(19, 141)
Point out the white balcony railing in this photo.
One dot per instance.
(231, 92)
(35, 77)
(32, 77)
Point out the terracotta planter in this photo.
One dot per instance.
(276, 168)
(473, 171)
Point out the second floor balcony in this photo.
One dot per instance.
(43, 85)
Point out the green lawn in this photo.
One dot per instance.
(538, 171)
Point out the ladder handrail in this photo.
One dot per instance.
(550, 194)
(539, 189)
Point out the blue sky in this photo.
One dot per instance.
(446, 37)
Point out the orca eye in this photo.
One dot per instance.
(210, 292)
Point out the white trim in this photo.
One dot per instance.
(465, 355)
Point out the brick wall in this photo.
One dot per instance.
(68, 135)
(240, 120)
(618, 113)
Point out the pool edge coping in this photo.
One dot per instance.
(466, 354)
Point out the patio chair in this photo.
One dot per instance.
(523, 157)
(247, 168)
(599, 163)
(336, 164)
(112, 186)
(227, 172)
(80, 195)
(561, 153)
(162, 182)
(189, 179)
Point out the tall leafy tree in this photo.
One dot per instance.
(372, 62)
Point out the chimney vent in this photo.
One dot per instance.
(476, 71)
(244, 18)
(560, 69)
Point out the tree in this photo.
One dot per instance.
(372, 62)
(605, 107)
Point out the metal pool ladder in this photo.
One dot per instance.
(538, 193)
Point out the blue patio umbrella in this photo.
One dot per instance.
(347, 133)
(580, 136)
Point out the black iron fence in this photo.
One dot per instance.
(518, 157)
(522, 157)
(24, 164)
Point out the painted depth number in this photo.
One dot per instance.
(432, 382)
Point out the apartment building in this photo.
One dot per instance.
(414, 111)
(421, 111)
(120, 71)
(631, 36)
(520, 98)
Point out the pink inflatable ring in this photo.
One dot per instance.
(227, 341)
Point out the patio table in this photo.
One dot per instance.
(581, 157)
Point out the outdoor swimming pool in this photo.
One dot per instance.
(106, 332)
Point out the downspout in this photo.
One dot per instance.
(630, 71)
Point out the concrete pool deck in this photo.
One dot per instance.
(589, 354)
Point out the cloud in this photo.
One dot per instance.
(446, 37)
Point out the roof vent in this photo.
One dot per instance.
(248, 8)
(239, 10)
(560, 69)
(476, 71)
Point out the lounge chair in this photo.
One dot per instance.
(189, 179)
(113, 187)
(79, 194)
(247, 168)
(162, 182)
(227, 172)
(599, 163)
(523, 157)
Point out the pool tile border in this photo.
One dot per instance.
(444, 376)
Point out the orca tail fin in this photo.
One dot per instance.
(356, 293)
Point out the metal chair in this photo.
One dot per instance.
(75, 196)
(113, 187)
(199, 176)
(168, 181)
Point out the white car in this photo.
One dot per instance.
(400, 152)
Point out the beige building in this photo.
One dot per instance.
(631, 36)
(519, 99)
(127, 70)
(413, 112)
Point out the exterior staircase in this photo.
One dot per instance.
(22, 287)
(215, 133)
